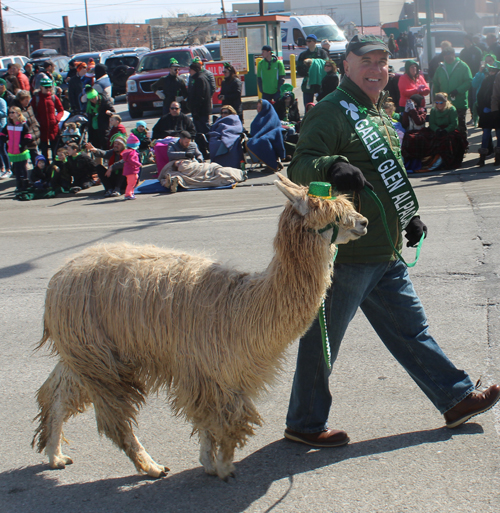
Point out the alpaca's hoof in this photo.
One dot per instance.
(158, 471)
(60, 462)
(226, 479)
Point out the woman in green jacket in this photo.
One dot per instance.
(449, 144)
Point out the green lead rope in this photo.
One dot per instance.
(322, 312)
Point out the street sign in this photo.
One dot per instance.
(232, 27)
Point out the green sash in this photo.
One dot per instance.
(393, 174)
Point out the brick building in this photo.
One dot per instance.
(70, 40)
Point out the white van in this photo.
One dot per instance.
(295, 31)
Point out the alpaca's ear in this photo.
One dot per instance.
(285, 181)
(295, 195)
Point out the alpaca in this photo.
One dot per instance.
(126, 321)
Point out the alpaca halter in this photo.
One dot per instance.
(323, 191)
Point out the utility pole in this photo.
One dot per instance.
(2, 38)
(361, 12)
(88, 28)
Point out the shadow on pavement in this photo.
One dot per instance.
(193, 490)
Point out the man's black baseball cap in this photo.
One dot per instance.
(361, 44)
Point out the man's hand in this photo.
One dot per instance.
(345, 177)
(160, 95)
(108, 172)
(414, 231)
(189, 155)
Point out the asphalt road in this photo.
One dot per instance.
(400, 458)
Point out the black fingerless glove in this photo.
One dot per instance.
(414, 231)
(189, 155)
(346, 177)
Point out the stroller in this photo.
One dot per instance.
(81, 122)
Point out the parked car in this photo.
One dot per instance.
(152, 67)
(136, 49)
(99, 57)
(61, 62)
(43, 52)
(17, 59)
(214, 49)
(121, 65)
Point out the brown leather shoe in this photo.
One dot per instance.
(474, 404)
(326, 438)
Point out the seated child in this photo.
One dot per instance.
(40, 175)
(58, 171)
(71, 133)
(115, 127)
(81, 167)
(390, 109)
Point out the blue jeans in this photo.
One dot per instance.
(308, 98)
(271, 97)
(386, 296)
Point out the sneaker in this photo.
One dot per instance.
(474, 404)
(436, 165)
(130, 197)
(326, 438)
(115, 194)
(470, 123)
(108, 193)
(6, 174)
(174, 183)
(75, 189)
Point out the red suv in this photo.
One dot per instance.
(152, 67)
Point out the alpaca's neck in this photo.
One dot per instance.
(290, 289)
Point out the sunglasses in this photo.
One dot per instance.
(439, 103)
(174, 108)
(225, 112)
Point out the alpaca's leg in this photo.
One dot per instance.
(207, 452)
(60, 397)
(114, 416)
(225, 456)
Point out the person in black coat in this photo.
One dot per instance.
(99, 108)
(230, 91)
(171, 125)
(75, 87)
(200, 105)
(330, 81)
(488, 120)
(171, 88)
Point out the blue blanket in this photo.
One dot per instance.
(154, 187)
(224, 141)
(266, 138)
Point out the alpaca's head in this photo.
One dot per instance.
(316, 213)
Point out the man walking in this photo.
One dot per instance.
(270, 75)
(312, 52)
(350, 142)
(472, 56)
(171, 88)
(200, 104)
(453, 76)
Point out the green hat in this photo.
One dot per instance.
(46, 82)
(286, 88)
(361, 44)
(197, 59)
(322, 190)
(91, 93)
(174, 62)
(3, 82)
(119, 137)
